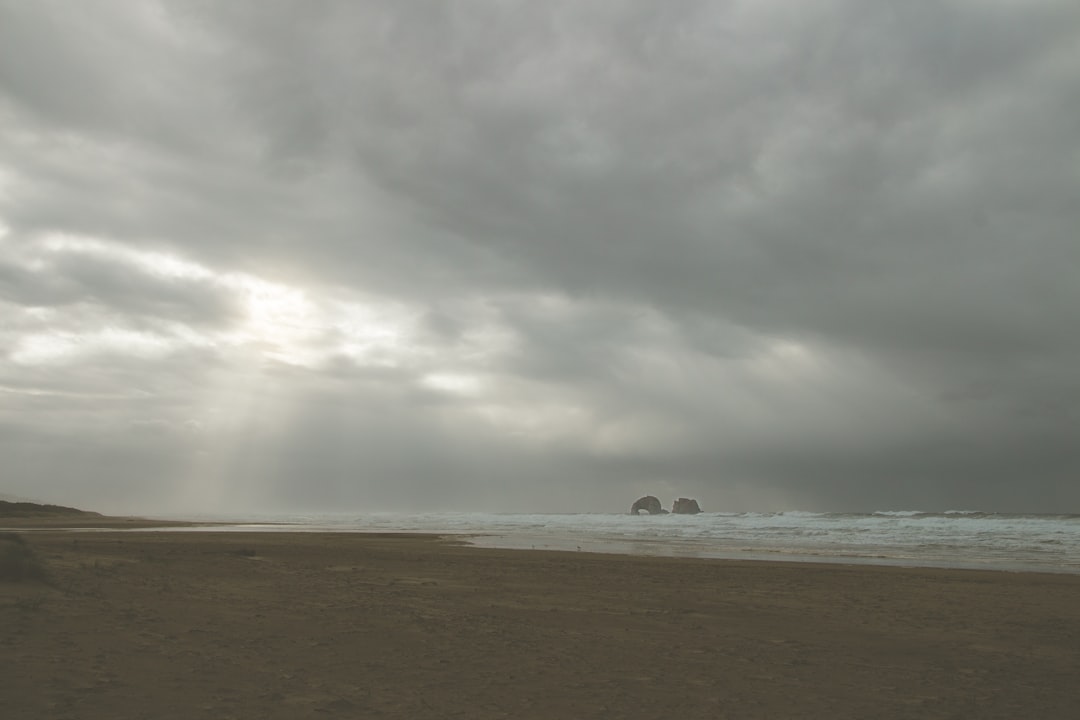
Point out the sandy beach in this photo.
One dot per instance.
(296, 625)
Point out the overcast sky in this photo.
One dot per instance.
(540, 256)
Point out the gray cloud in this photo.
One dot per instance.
(542, 255)
(114, 285)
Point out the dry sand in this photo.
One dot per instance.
(254, 625)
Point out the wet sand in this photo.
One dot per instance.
(298, 625)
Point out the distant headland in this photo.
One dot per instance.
(37, 510)
(24, 514)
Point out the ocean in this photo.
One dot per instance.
(956, 539)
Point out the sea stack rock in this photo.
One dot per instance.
(649, 504)
(685, 506)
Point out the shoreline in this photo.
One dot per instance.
(286, 625)
(140, 526)
(649, 548)
(505, 542)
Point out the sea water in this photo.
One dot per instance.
(963, 539)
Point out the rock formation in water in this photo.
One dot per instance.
(686, 506)
(649, 504)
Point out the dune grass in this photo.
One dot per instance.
(18, 561)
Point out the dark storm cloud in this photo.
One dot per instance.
(770, 253)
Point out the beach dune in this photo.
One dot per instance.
(295, 625)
